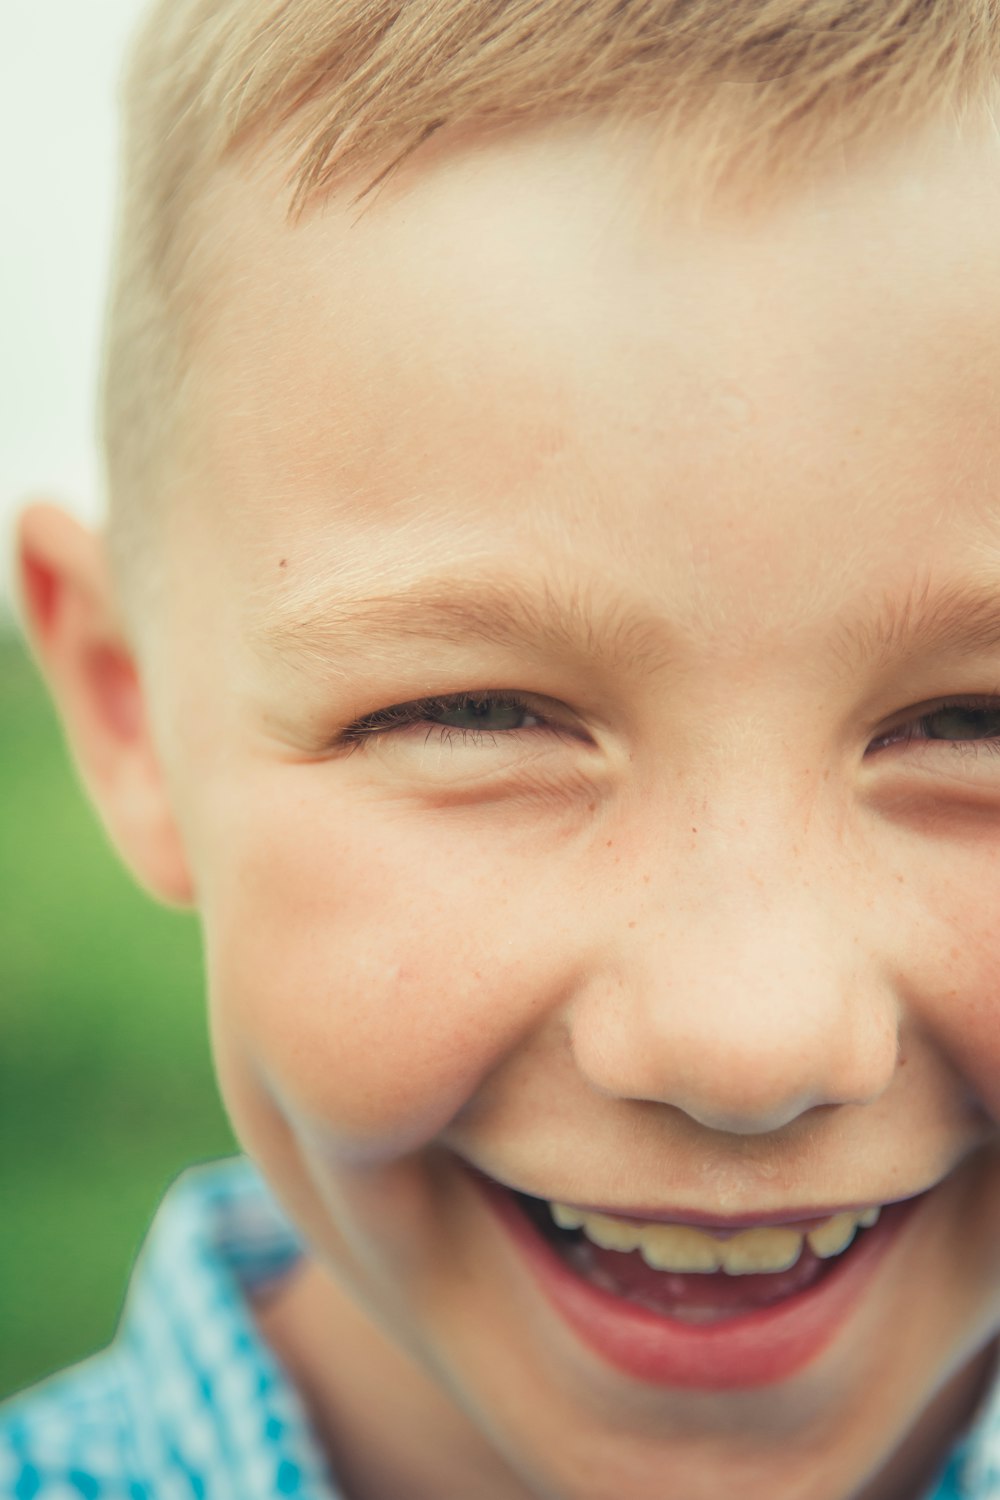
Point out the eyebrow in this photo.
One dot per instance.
(962, 618)
(454, 611)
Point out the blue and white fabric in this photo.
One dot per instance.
(188, 1402)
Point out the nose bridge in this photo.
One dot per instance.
(743, 988)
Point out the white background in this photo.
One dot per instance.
(59, 68)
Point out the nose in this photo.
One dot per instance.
(744, 995)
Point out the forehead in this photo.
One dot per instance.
(529, 349)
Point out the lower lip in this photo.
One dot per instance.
(752, 1349)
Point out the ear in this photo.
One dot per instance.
(75, 633)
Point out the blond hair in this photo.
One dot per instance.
(354, 86)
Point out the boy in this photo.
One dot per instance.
(551, 632)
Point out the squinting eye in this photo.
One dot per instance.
(492, 714)
(964, 721)
(963, 724)
(463, 716)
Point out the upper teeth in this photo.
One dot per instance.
(678, 1247)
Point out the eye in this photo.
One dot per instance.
(972, 723)
(462, 716)
(489, 713)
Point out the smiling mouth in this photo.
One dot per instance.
(689, 1276)
(713, 1329)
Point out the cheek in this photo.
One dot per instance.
(364, 974)
(954, 958)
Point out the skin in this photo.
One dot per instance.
(710, 933)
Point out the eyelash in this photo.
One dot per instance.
(400, 716)
(905, 733)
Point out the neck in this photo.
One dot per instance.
(389, 1430)
(925, 1450)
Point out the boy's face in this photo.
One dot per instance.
(699, 919)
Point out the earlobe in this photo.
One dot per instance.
(74, 628)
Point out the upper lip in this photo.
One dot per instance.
(803, 1215)
(804, 1218)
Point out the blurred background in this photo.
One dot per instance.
(106, 1089)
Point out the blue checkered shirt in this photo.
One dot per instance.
(188, 1402)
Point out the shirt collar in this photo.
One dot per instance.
(213, 1400)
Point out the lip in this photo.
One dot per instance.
(753, 1349)
(800, 1218)
(806, 1216)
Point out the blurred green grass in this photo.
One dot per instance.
(106, 1088)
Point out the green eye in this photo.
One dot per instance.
(480, 713)
(957, 723)
(471, 716)
(971, 722)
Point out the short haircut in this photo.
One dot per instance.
(349, 88)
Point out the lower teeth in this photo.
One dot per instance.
(582, 1261)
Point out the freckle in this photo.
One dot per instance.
(283, 563)
(609, 843)
(591, 806)
(631, 924)
(694, 830)
(645, 880)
